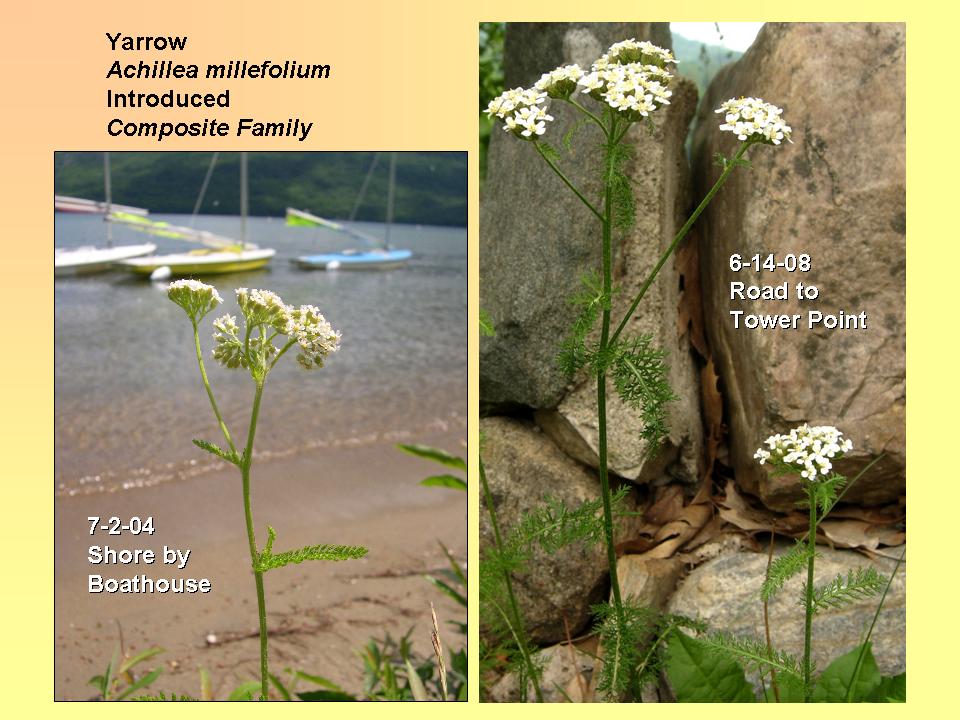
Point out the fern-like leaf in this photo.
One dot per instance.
(229, 456)
(572, 132)
(859, 584)
(624, 204)
(640, 376)
(783, 568)
(623, 637)
(268, 561)
(554, 525)
(827, 492)
(549, 151)
(592, 301)
(754, 654)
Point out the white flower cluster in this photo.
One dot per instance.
(313, 334)
(643, 52)
(631, 78)
(635, 89)
(521, 111)
(196, 298)
(752, 118)
(560, 83)
(263, 307)
(807, 450)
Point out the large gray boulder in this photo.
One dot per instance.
(523, 466)
(838, 194)
(725, 592)
(538, 240)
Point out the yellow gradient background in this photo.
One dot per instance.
(404, 77)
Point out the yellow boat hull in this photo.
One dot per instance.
(200, 264)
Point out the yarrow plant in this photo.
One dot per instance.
(627, 85)
(809, 452)
(270, 328)
(710, 667)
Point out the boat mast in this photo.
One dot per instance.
(390, 192)
(243, 200)
(107, 195)
(363, 188)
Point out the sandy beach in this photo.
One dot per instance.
(319, 614)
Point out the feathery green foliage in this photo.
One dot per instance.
(553, 525)
(640, 376)
(827, 492)
(753, 654)
(624, 204)
(859, 584)
(268, 561)
(623, 632)
(572, 132)
(591, 300)
(783, 568)
(229, 456)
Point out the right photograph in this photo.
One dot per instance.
(692, 362)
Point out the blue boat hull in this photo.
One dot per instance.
(360, 260)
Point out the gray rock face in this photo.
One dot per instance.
(726, 593)
(522, 467)
(837, 193)
(566, 673)
(538, 240)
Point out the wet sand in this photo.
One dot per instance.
(320, 614)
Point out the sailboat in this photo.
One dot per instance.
(377, 256)
(221, 254)
(89, 259)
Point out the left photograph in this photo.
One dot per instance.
(260, 426)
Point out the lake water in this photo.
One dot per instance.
(128, 393)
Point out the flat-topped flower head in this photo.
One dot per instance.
(315, 336)
(560, 83)
(263, 307)
(196, 298)
(522, 112)
(753, 119)
(806, 450)
(634, 89)
(632, 51)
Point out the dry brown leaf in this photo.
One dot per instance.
(709, 532)
(860, 534)
(667, 506)
(738, 512)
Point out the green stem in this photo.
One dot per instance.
(863, 646)
(520, 631)
(252, 539)
(206, 385)
(679, 237)
(808, 596)
(566, 180)
(602, 388)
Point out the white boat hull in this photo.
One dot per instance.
(86, 260)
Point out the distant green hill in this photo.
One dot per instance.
(699, 61)
(431, 186)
